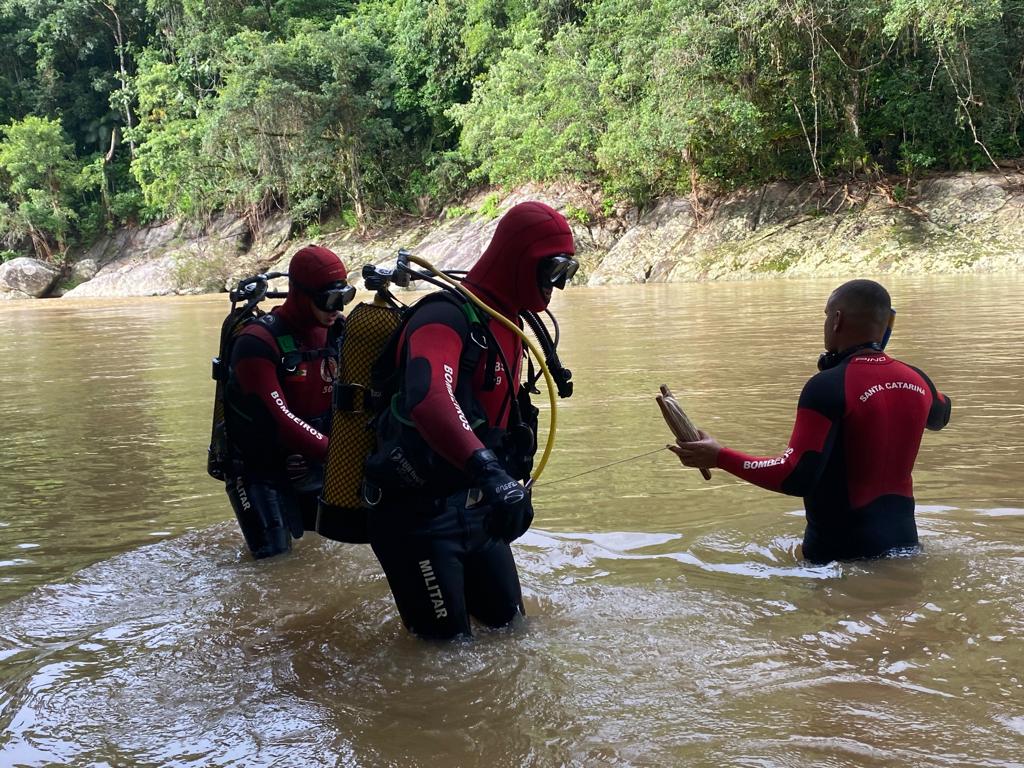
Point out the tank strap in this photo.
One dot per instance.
(291, 356)
(478, 340)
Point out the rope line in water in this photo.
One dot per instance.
(603, 466)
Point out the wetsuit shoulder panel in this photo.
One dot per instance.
(289, 404)
(824, 392)
(255, 340)
(942, 405)
(433, 353)
(438, 309)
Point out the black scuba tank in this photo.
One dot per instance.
(249, 293)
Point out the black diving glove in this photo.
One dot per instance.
(303, 476)
(296, 468)
(511, 504)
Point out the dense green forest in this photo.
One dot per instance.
(116, 111)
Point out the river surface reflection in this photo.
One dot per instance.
(671, 620)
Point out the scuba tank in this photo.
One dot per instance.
(370, 329)
(249, 293)
(341, 513)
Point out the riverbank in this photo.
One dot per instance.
(962, 222)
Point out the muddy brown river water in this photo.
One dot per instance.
(671, 621)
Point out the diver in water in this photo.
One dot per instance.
(859, 424)
(461, 435)
(277, 403)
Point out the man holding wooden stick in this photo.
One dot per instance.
(858, 429)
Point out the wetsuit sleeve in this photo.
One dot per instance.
(255, 368)
(433, 350)
(796, 470)
(938, 414)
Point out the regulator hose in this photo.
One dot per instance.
(405, 257)
(559, 372)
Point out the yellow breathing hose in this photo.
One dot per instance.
(538, 356)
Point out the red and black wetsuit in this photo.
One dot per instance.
(856, 437)
(441, 562)
(276, 406)
(433, 343)
(277, 409)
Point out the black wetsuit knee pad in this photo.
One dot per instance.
(443, 566)
(261, 514)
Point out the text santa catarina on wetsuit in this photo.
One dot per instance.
(857, 433)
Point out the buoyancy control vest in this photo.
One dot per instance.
(374, 445)
(224, 459)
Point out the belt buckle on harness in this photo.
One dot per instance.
(345, 397)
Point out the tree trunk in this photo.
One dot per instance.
(356, 187)
(852, 108)
(118, 33)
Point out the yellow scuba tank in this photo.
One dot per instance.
(341, 513)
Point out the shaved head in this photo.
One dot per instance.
(857, 312)
(865, 304)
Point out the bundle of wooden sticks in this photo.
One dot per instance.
(678, 421)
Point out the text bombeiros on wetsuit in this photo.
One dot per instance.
(765, 463)
(449, 383)
(279, 401)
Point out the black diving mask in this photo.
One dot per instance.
(557, 270)
(331, 298)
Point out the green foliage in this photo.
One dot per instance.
(16, 86)
(668, 94)
(349, 219)
(47, 185)
(579, 215)
(530, 120)
(336, 108)
(912, 162)
(129, 206)
(6, 256)
(75, 59)
(489, 207)
(36, 155)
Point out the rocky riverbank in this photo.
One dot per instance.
(964, 222)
